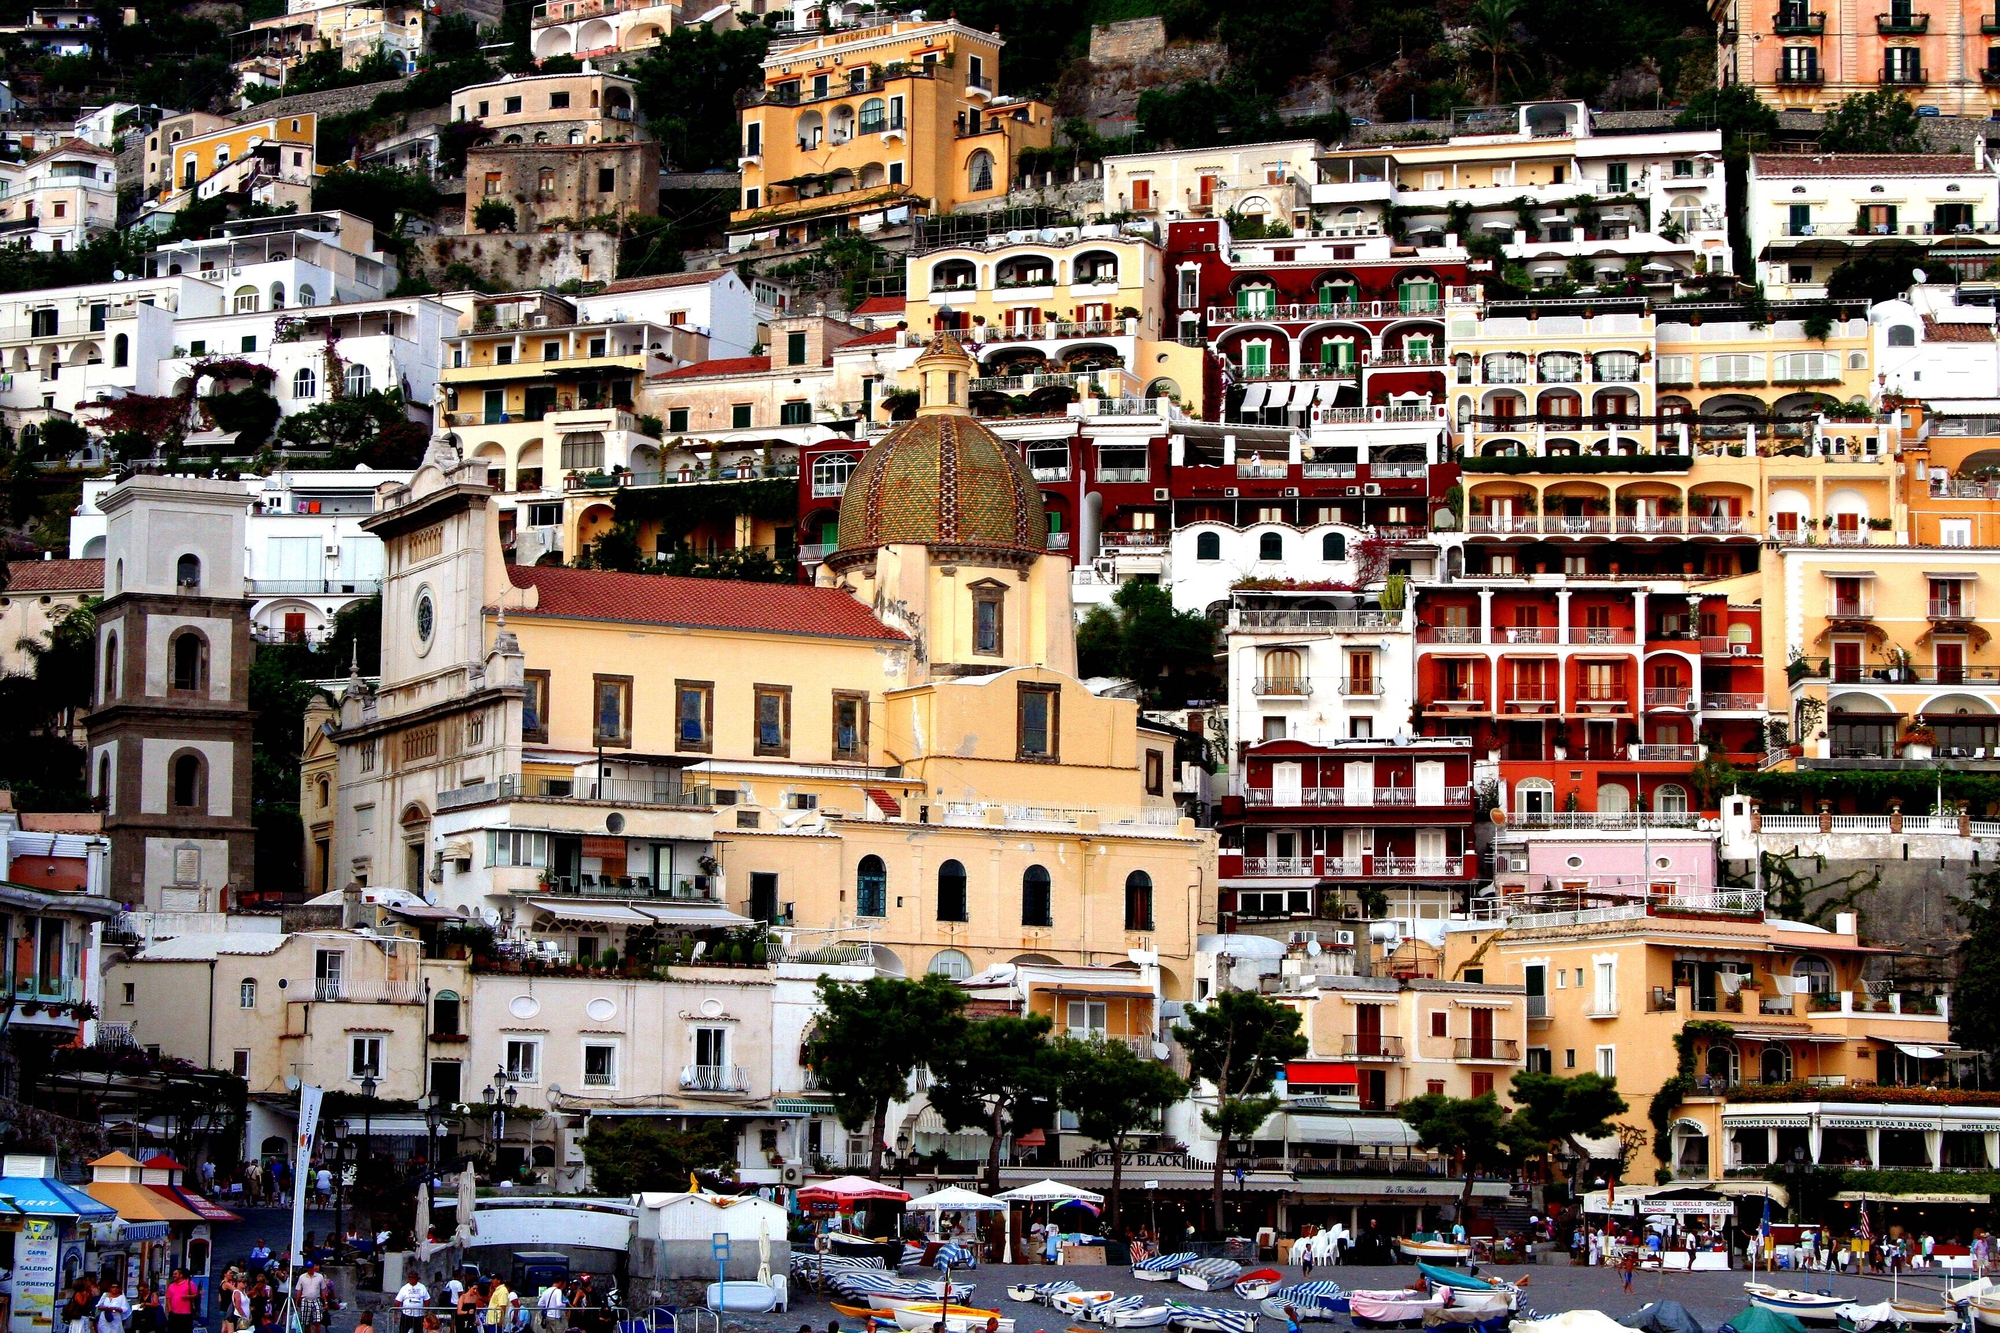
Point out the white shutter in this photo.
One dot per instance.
(1430, 782)
(1360, 780)
(1287, 784)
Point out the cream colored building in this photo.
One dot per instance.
(38, 594)
(1271, 183)
(587, 107)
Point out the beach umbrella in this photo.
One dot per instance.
(764, 1250)
(468, 1199)
(423, 1232)
(1048, 1191)
(956, 1199)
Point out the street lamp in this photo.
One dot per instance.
(902, 1158)
(368, 1088)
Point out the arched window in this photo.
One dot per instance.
(1271, 546)
(951, 892)
(1775, 1066)
(979, 172)
(187, 573)
(121, 351)
(111, 666)
(188, 658)
(1284, 669)
(1902, 335)
(1534, 796)
(1208, 546)
(277, 296)
(542, 1156)
(1815, 974)
(1333, 546)
(873, 119)
(1720, 1062)
(104, 781)
(188, 780)
(830, 474)
(305, 384)
(444, 1014)
(358, 382)
(950, 963)
(871, 887)
(246, 993)
(323, 791)
(1037, 906)
(307, 296)
(1670, 800)
(246, 301)
(1138, 901)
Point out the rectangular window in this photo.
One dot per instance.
(1440, 1024)
(558, 101)
(511, 107)
(607, 180)
(795, 349)
(896, 168)
(1156, 773)
(1088, 1018)
(753, 140)
(988, 623)
(694, 715)
(239, 1063)
(535, 706)
(524, 1061)
(600, 1065)
(774, 719)
(365, 1058)
(850, 725)
(1038, 727)
(677, 420)
(1616, 175)
(739, 416)
(515, 847)
(711, 1047)
(328, 964)
(795, 414)
(1607, 1061)
(750, 199)
(551, 351)
(612, 711)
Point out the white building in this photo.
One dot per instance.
(98, 125)
(1350, 667)
(59, 199)
(302, 259)
(1267, 182)
(1937, 345)
(715, 301)
(57, 30)
(1809, 214)
(305, 553)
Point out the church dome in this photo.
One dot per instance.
(942, 479)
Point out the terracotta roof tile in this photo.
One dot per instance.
(1863, 164)
(55, 576)
(728, 365)
(659, 281)
(726, 604)
(881, 305)
(1935, 332)
(879, 338)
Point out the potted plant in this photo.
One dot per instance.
(1918, 742)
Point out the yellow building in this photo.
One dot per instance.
(1083, 311)
(282, 144)
(879, 123)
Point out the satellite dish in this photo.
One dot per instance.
(118, 275)
(1919, 275)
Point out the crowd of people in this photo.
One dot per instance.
(103, 1307)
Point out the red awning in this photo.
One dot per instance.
(851, 1190)
(212, 1212)
(1034, 1138)
(1320, 1071)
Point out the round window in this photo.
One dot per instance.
(1575, 862)
(426, 617)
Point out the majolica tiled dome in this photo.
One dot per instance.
(942, 479)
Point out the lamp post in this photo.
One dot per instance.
(902, 1158)
(368, 1090)
(553, 1097)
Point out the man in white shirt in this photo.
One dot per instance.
(549, 1308)
(410, 1303)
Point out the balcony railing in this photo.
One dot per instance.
(1503, 524)
(1797, 24)
(1906, 78)
(1356, 796)
(1715, 524)
(1669, 696)
(1600, 634)
(1538, 1007)
(1850, 608)
(1307, 311)
(713, 1078)
(1263, 471)
(1950, 608)
(1528, 634)
(1356, 688)
(1486, 1048)
(1681, 754)
(1428, 867)
(1278, 866)
(312, 587)
(1451, 634)
(1291, 687)
(1809, 76)
(1732, 703)
(1329, 620)
(1370, 1046)
(1902, 24)
(1649, 525)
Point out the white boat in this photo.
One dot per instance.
(1986, 1309)
(1857, 1318)
(1076, 1302)
(920, 1318)
(741, 1297)
(1129, 1312)
(1038, 1291)
(1805, 1305)
(1481, 1300)
(1435, 1249)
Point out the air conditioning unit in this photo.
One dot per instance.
(1159, 495)
(541, 321)
(1345, 937)
(1291, 491)
(793, 1174)
(1229, 492)
(1303, 937)
(1371, 488)
(332, 551)
(1739, 650)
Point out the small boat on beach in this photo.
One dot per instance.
(1259, 1284)
(1855, 1317)
(1211, 1319)
(1041, 1292)
(1162, 1267)
(1395, 1307)
(920, 1316)
(1447, 1250)
(1806, 1305)
(1129, 1312)
(1209, 1274)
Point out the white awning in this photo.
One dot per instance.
(1254, 396)
(1916, 1052)
(1356, 1130)
(606, 914)
(690, 915)
(1482, 1001)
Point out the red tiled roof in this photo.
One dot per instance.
(879, 338)
(879, 305)
(728, 365)
(55, 576)
(1862, 164)
(1936, 332)
(659, 281)
(653, 599)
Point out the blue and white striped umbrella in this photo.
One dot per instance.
(1165, 1263)
(1212, 1319)
(1212, 1274)
(1312, 1300)
(954, 1256)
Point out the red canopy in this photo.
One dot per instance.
(850, 1190)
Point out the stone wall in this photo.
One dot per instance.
(332, 102)
(518, 261)
(1125, 42)
(549, 182)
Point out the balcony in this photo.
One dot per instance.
(1796, 23)
(1359, 797)
(1502, 524)
(1677, 697)
(1528, 634)
(1575, 525)
(1450, 634)
(1124, 474)
(1950, 608)
(1371, 1046)
(1425, 867)
(312, 587)
(1600, 634)
(1809, 77)
(1732, 703)
(1902, 23)
(1262, 471)
(1288, 621)
(1989, 25)
(1604, 697)
(1850, 608)
(1283, 687)
(1487, 1048)
(1713, 526)
(1646, 525)
(1357, 688)
(1538, 1008)
(1905, 78)
(1676, 754)
(1529, 703)
(1279, 867)
(713, 1078)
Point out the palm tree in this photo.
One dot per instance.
(1493, 33)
